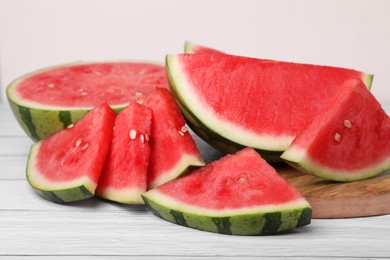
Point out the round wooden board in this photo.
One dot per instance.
(341, 200)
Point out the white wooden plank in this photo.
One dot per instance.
(143, 234)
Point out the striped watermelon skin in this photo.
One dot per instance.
(243, 224)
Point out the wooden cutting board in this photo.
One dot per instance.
(341, 200)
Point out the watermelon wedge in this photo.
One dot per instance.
(49, 100)
(232, 102)
(239, 194)
(190, 47)
(66, 166)
(124, 174)
(174, 151)
(347, 141)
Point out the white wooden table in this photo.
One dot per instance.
(33, 228)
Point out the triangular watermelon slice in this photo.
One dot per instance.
(124, 174)
(173, 149)
(348, 141)
(232, 102)
(238, 194)
(66, 166)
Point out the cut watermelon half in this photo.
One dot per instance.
(190, 47)
(348, 141)
(239, 194)
(66, 166)
(49, 100)
(232, 102)
(124, 174)
(174, 151)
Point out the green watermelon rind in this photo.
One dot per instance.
(62, 192)
(260, 220)
(40, 121)
(300, 160)
(221, 135)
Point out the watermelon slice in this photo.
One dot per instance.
(232, 102)
(239, 194)
(49, 100)
(173, 149)
(190, 47)
(348, 141)
(124, 175)
(66, 166)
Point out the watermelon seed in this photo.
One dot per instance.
(70, 126)
(147, 137)
(85, 146)
(78, 142)
(140, 101)
(51, 85)
(142, 138)
(241, 180)
(133, 134)
(184, 129)
(337, 137)
(80, 90)
(138, 94)
(83, 93)
(347, 123)
(181, 133)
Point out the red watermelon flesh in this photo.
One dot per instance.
(73, 158)
(124, 175)
(349, 140)
(251, 102)
(89, 84)
(173, 149)
(235, 181)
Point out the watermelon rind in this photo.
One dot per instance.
(261, 220)
(63, 192)
(40, 121)
(186, 163)
(125, 195)
(221, 134)
(299, 159)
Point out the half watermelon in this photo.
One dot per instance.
(49, 100)
(66, 166)
(348, 141)
(174, 151)
(239, 194)
(232, 102)
(124, 175)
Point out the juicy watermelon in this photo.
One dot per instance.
(49, 100)
(232, 102)
(66, 166)
(124, 174)
(348, 141)
(239, 194)
(190, 47)
(173, 149)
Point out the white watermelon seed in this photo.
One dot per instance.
(181, 133)
(347, 123)
(138, 94)
(85, 146)
(70, 126)
(241, 180)
(142, 138)
(337, 137)
(78, 142)
(51, 85)
(83, 93)
(147, 137)
(140, 101)
(184, 129)
(133, 134)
